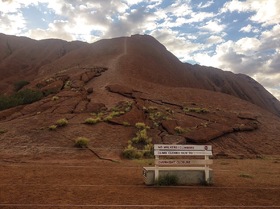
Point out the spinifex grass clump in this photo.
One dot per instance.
(158, 115)
(195, 110)
(52, 127)
(140, 145)
(81, 142)
(62, 122)
(92, 121)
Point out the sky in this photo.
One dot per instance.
(242, 36)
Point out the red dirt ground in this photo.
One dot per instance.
(78, 179)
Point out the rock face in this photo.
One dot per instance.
(105, 88)
(139, 57)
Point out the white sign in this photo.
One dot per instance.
(182, 147)
(183, 162)
(157, 152)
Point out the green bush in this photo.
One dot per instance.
(167, 180)
(62, 122)
(81, 142)
(28, 96)
(25, 96)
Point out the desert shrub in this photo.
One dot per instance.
(2, 131)
(167, 180)
(131, 152)
(93, 120)
(152, 108)
(107, 118)
(148, 151)
(140, 145)
(54, 98)
(179, 130)
(168, 110)
(140, 125)
(62, 122)
(113, 114)
(117, 113)
(52, 127)
(81, 142)
(7, 102)
(157, 116)
(141, 137)
(25, 96)
(67, 84)
(126, 123)
(196, 110)
(20, 84)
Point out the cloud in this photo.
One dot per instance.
(12, 23)
(271, 83)
(58, 29)
(213, 26)
(246, 29)
(178, 44)
(266, 12)
(257, 57)
(207, 4)
(214, 40)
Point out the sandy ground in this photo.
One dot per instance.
(78, 179)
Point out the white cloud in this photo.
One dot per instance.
(199, 16)
(207, 4)
(271, 83)
(58, 29)
(180, 8)
(214, 40)
(258, 57)
(267, 12)
(246, 29)
(247, 45)
(178, 45)
(12, 24)
(213, 26)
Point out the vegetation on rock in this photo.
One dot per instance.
(81, 142)
(26, 96)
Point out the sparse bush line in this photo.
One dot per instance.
(92, 121)
(195, 110)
